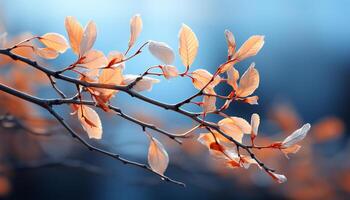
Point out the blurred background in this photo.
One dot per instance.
(304, 71)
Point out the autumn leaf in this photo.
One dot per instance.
(158, 158)
(170, 71)
(250, 48)
(75, 33)
(46, 53)
(232, 77)
(93, 59)
(235, 127)
(135, 29)
(249, 82)
(161, 51)
(255, 122)
(54, 41)
(202, 77)
(209, 104)
(89, 38)
(188, 45)
(231, 43)
(110, 76)
(90, 121)
(146, 83)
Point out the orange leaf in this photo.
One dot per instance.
(90, 121)
(54, 41)
(46, 53)
(249, 82)
(250, 48)
(93, 59)
(89, 38)
(235, 127)
(75, 33)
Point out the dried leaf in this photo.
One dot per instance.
(54, 41)
(158, 158)
(188, 45)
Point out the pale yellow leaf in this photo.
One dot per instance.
(188, 45)
(250, 48)
(202, 77)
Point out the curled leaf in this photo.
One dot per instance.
(188, 45)
(54, 41)
(232, 77)
(158, 158)
(255, 121)
(296, 136)
(231, 43)
(135, 29)
(161, 51)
